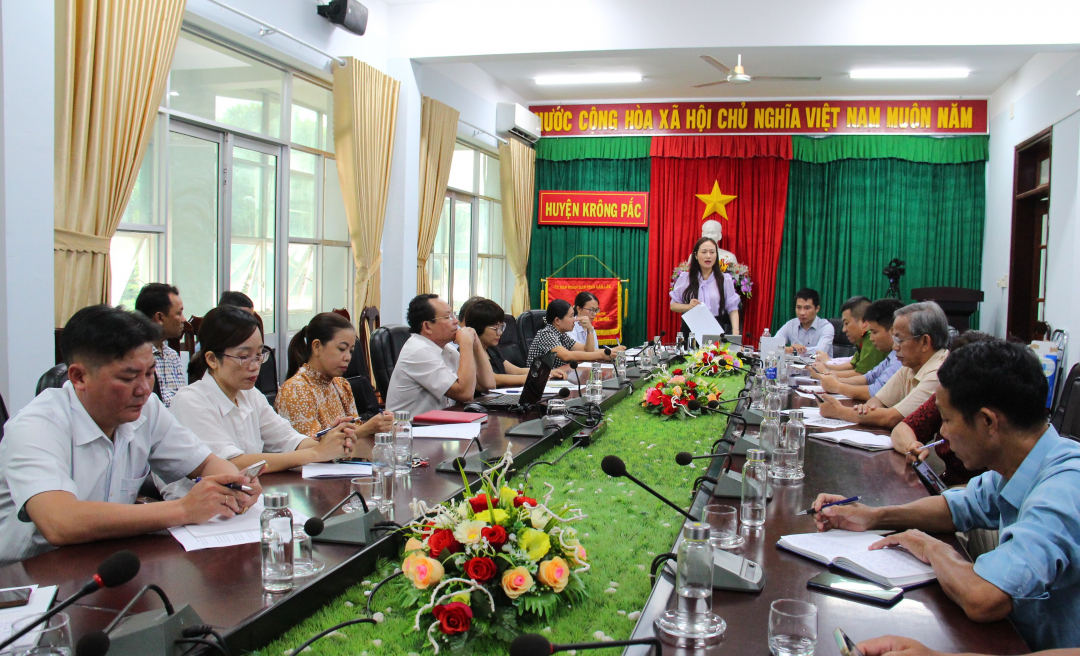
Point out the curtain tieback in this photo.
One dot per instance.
(370, 271)
(72, 240)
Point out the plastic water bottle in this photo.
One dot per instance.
(755, 478)
(403, 443)
(757, 392)
(769, 436)
(774, 398)
(795, 438)
(771, 364)
(765, 334)
(276, 536)
(382, 462)
(692, 617)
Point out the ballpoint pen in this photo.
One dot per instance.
(932, 444)
(232, 486)
(834, 503)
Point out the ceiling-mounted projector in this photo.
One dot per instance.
(349, 14)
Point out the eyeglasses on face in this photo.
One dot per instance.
(900, 340)
(590, 311)
(255, 358)
(450, 316)
(498, 328)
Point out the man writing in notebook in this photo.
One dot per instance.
(992, 403)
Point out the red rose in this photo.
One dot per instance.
(479, 503)
(454, 617)
(519, 501)
(691, 384)
(496, 535)
(676, 372)
(659, 386)
(440, 539)
(481, 569)
(669, 410)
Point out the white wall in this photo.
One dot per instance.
(1042, 94)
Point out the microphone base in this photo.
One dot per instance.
(474, 463)
(730, 572)
(614, 384)
(531, 428)
(753, 417)
(352, 528)
(744, 443)
(153, 632)
(730, 487)
(633, 372)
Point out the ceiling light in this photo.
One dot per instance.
(908, 73)
(588, 78)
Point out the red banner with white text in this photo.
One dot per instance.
(609, 209)
(765, 117)
(608, 321)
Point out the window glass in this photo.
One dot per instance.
(193, 220)
(462, 241)
(462, 169)
(312, 115)
(489, 238)
(213, 82)
(489, 279)
(134, 263)
(489, 177)
(335, 223)
(302, 207)
(254, 204)
(301, 285)
(336, 278)
(439, 262)
(142, 206)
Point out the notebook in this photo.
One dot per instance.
(849, 551)
(857, 439)
(448, 417)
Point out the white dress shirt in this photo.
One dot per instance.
(248, 426)
(54, 445)
(422, 375)
(579, 334)
(817, 339)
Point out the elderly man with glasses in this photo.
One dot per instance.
(920, 334)
(430, 374)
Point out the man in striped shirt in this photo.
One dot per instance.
(161, 303)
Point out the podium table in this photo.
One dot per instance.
(958, 303)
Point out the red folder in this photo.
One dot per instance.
(447, 417)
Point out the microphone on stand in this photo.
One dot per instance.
(534, 644)
(114, 571)
(315, 525)
(713, 407)
(615, 467)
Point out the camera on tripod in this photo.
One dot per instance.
(893, 272)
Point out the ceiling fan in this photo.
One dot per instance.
(738, 75)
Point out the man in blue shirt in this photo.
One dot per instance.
(861, 387)
(807, 333)
(992, 403)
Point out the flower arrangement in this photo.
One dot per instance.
(740, 277)
(671, 395)
(713, 360)
(473, 567)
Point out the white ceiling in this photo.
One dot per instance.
(672, 73)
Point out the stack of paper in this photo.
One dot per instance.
(222, 532)
(448, 431)
(40, 600)
(812, 417)
(317, 470)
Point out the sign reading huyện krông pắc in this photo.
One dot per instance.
(613, 209)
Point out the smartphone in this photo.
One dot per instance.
(254, 470)
(929, 478)
(855, 588)
(846, 644)
(15, 597)
(352, 461)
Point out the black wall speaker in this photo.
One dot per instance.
(349, 14)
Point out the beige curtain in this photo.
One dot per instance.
(112, 61)
(365, 112)
(517, 173)
(438, 129)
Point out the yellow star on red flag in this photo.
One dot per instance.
(715, 202)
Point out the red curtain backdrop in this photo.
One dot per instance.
(755, 169)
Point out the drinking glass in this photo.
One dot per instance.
(723, 524)
(792, 627)
(403, 445)
(784, 463)
(557, 415)
(370, 487)
(52, 638)
(594, 390)
(304, 561)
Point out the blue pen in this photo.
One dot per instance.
(231, 486)
(834, 503)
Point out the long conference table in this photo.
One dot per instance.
(223, 585)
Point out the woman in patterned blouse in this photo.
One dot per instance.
(315, 396)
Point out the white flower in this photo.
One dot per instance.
(469, 532)
(539, 518)
(366, 584)
(546, 629)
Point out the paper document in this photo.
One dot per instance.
(812, 417)
(337, 469)
(40, 601)
(856, 438)
(633, 352)
(701, 321)
(770, 344)
(836, 361)
(807, 395)
(221, 532)
(448, 431)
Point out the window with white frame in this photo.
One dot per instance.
(242, 155)
(469, 256)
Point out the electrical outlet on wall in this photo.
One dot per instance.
(1003, 281)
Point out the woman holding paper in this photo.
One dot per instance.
(704, 284)
(223, 408)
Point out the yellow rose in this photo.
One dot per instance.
(469, 532)
(462, 598)
(413, 546)
(535, 543)
(539, 518)
(422, 571)
(516, 582)
(506, 496)
(554, 573)
(499, 517)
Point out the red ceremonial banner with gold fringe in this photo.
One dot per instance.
(608, 322)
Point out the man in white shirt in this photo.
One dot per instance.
(807, 333)
(430, 374)
(162, 305)
(72, 461)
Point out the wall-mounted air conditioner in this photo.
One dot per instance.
(518, 121)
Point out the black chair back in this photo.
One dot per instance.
(839, 336)
(529, 323)
(1066, 416)
(386, 343)
(367, 404)
(358, 366)
(54, 377)
(510, 345)
(267, 383)
(3, 416)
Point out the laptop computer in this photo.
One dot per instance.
(531, 392)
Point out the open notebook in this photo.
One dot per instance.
(855, 438)
(849, 551)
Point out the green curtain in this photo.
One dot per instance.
(847, 218)
(568, 148)
(930, 150)
(625, 250)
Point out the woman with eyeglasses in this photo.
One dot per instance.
(586, 306)
(235, 420)
(487, 318)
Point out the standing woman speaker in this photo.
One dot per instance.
(705, 284)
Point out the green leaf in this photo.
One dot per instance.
(543, 604)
